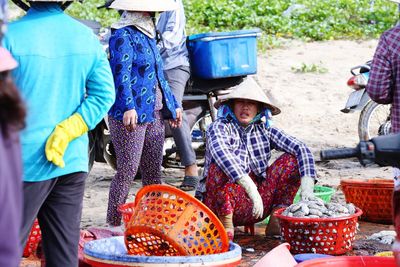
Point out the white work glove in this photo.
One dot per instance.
(307, 188)
(251, 189)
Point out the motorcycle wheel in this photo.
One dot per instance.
(374, 121)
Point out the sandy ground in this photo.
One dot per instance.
(310, 104)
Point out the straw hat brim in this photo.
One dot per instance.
(274, 110)
(7, 62)
(249, 90)
(147, 5)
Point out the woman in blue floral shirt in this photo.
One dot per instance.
(143, 99)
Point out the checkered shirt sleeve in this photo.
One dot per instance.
(380, 83)
(218, 138)
(283, 142)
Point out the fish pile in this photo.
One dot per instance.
(384, 237)
(317, 208)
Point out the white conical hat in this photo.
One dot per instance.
(249, 89)
(144, 5)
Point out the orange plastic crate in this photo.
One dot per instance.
(373, 196)
(169, 222)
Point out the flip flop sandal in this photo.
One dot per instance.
(189, 183)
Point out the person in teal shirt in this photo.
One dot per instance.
(65, 78)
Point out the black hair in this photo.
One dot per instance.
(12, 108)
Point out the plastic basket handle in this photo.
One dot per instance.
(180, 223)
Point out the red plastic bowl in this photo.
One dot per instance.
(350, 261)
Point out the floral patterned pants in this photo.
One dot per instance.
(223, 196)
(137, 149)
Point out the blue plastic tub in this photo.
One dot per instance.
(112, 252)
(217, 55)
(310, 256)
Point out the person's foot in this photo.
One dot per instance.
(191, 170)
(273, 228)
(191, 179)
(231, 233)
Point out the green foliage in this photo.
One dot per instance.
(88, 10)
(312, 68)
(315, 20)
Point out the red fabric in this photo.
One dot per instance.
(396, 212)
(223, 196)
(90, 234)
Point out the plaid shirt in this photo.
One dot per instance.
(384, 80)
(239, 151)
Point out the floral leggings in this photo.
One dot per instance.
(142, 148)
(223, 196)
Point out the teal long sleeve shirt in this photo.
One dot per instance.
(62, 70)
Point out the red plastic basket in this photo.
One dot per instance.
(373, 196)
(34, 238)
(126, 211)
(332, 236)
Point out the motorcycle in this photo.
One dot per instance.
(374, 118)
(382, 150)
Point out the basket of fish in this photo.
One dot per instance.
(318, 227)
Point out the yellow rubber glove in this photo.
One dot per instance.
(63, 133)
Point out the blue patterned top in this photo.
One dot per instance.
(137, 68)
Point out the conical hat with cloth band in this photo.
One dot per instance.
(250, 90)
(144, 5)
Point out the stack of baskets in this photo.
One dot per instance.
(169, 222)
(372, 196)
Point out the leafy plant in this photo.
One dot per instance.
(313, 68)
(307, 20)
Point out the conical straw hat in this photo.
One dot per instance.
(250, 90)
(144, 5)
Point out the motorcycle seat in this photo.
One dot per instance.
(198, 86)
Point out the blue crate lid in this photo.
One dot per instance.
(210, 36)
